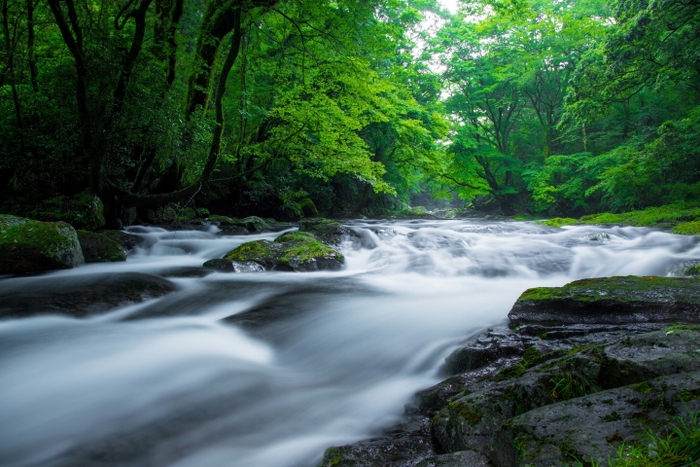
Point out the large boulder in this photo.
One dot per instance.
(630, 299)
(99, 248)
(292, 251)
(83, 210)
(29, 246)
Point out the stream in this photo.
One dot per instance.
(270, 369)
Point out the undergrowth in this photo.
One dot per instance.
(680, 447)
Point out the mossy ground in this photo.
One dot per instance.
(683, 217)
(627, 288)
(559, 222)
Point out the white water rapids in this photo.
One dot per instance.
(321, 359)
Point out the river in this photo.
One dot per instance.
(269, 369)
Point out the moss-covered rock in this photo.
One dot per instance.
(83, 211)
(292, 251)
(222, 220)
(474, 420)
(253, 224)
(611, 300)
(594, 427)
(325, 230)
(99, 248)
(28, 246)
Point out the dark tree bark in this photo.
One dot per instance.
(30, 46)
(168, 14)
(218, 21)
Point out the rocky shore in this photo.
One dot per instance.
(580, 371)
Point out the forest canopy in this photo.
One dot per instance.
(350, 107)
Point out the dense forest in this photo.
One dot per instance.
(349, 107)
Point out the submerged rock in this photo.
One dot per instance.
(293, 251)
(99, 248)
(30, 246)
(78, 296)
(630, 299)
(126, 240)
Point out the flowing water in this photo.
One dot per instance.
(269, 369)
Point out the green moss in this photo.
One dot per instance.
(684, 327)
(251, 251)
(686, 217)
(295, 237)
(687, 228)
(569, 386)
(27, 245)
(621, 289)
(559, 222)
(99, 248)
(612, 417)
(531, 357)
(603, 218)
(309, 250)
(83, 211)
(465, 411)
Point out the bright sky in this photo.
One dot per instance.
(450, 5)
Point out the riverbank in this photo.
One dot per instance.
(583, 375)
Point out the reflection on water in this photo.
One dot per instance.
(269, 369)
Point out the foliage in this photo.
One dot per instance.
(661, 215)
(680, 446)
(559, 222)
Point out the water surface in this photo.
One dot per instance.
(269, 369)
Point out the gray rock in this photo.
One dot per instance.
(591, 428)
(218, 264)
(470, 421)
(616, 300)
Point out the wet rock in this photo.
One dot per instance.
(631, 299)
(593, 427)
(253, 224)
(479, 355)
(225, 265)
(325, 230)
(126, 240)
(221, 265)
(29, 246)
(293, 251)
(407, 444)
(471, 421)
(78, 296)
(99, 248)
